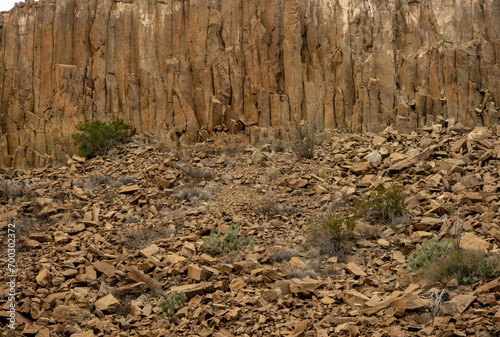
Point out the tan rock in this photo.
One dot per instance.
(107, 303)
(354, 269)
(473, 242)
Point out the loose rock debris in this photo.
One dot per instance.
(95, 258)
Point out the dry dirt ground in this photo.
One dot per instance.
(101, 240)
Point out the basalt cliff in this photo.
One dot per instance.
(182, 69)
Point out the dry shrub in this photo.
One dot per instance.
(93, 181)
(309, 270)
(140, 237)
(269, 207)
(332, 235)
(190, 192)
(15, 189)
(126, 180)
(284, 254)
(197, 174)
(368, 231)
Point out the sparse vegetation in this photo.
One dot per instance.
(140, 237)
(15, 189)
(95, 180)
(383, 205)
(172, 303)
(292, 271)
(440, 261)
(273, 173)
(98, 137)
(429, 251)
(332, 235)
(189, 192)
(197, 174)
(269, 207)
(229, 241)
(284, 254)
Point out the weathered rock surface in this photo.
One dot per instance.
(174, 67)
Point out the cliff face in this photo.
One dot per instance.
(187, 65)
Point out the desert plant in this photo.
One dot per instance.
(189, 192)
(172, 303)
(428, 251)
(304, 136)
(332, 235)
(437, 261)
(15, 189)
(98, 137)
(273, 173)
(197, 174)
(230, 240)
(383, 204)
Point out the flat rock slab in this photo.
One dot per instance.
(129, 189)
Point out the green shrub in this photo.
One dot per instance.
(428, 252)
(172, 303)
(230, 240)
(98, 136)
(383, 205)
(437, 261)
(332, 235)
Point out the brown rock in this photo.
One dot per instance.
(107, 303)
(473, 242)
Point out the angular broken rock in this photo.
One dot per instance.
(191, 290)
(129, 189)
(353, 297)
(473, 242)
(410, 161)
(80, 298)
(354, 269)
(107, 303)
(272, 294)
(149, 251)
(44, 277)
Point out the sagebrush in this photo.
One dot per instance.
(441, 261)
(98, 137)
(229, 241)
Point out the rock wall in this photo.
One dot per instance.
(175, 67)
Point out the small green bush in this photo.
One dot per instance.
(98, 137)
(172, 303)
(230, 240)
(437, 261)
(428, 252)
(383, 205)
(332, 235)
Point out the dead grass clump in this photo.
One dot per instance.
(332, 235)
(140, 237)
(189, 192)
(15, 189)
(126, 180)
(197, 174)
(309, 270)
(273, 173)
(368, 231)
(93, 181)
(284, 254)
(130, 218)
(269, 207)
(25, 225)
